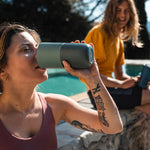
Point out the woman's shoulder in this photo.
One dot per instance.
(98, 29)
(59, 103)
(52, 97)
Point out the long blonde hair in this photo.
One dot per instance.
(130, 31)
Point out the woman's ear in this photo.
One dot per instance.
(3, 75)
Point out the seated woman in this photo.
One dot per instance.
(120, 23)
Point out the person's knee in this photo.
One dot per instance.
(145, 98)
(144, 108)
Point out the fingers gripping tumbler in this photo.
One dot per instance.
(51, 55)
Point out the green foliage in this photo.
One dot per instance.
(53, 19)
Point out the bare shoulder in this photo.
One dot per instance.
(57, 99)
(59, 103)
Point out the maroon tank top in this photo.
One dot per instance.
(45, 139)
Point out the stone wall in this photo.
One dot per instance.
(135, 135)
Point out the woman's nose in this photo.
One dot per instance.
(122, 14)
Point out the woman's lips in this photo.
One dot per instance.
(37, 67)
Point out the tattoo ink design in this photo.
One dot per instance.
(85, 127)
(99, 102)
(100, 106)
(97, 89)
(103, 119)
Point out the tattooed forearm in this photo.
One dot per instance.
(100, 105)
(85, 127)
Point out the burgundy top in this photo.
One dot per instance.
(45, 139)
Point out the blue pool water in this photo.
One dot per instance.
(61, 82)
(133, 70)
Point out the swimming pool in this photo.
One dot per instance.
(61, 82)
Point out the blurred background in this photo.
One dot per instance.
(68, 20)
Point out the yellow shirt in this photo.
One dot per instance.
(109, 52)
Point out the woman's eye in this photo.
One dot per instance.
(118, 11)
(28, 50)
(127, 11)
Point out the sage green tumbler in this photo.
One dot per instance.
(51, 55)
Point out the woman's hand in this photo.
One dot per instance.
(128, 83)
(148, 85)
(85, 74)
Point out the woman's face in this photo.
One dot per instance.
(122, 14)
(22, 64)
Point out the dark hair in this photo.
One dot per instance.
(7, 30)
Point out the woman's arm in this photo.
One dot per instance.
(106, 119)
(119, 74)
(121, 79)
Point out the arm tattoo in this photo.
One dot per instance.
(97, 89)
(99, 102)
(84, 126)
(103, 119)
(100, 105)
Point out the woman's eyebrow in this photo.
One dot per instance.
(24, 44)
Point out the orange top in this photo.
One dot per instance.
(109, 52)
